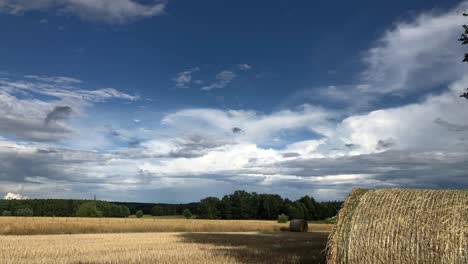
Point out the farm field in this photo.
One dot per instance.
(58, 225)
(239, 247)
(65, 225)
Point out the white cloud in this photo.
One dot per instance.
(15, 196)
(418, 54)
(64, 90)
(222, 80)
(184, 79)
(223, 159)
(257, 127)
(26, 117)
(410, 127)
(244, 67)
(419, 144)
(108, 11)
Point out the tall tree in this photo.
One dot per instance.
(225, 208)
(209, 208)
(311, 207)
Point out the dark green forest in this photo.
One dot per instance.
(239, 205)
(62, 208)
(245, 205)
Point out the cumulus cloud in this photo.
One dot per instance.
(411, 126)
(401, 60)
(405, 145)
(15, 196)
(107, 11)
(421, 144)
(257, 127)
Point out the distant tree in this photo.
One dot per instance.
(187, 214)
(329, 209)
(225, 208)
(297, 211)
(6, 213)
(88, 209)
(269, 206)
(105, 208)
(157, 210)
(124, 211)
(311, 207)
(244, 205)
(464, 40)
(24, 212)
(139, 214)
(282, 218)
(208, 208)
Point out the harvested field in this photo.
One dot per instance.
(253, 247)
(401, 226)
(58, 225)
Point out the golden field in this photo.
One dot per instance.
(65, 225)
(114, 240)
(207, 248)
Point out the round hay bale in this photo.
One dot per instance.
(401, 226)
(298, 225)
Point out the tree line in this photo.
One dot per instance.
(238, 205)
(245, 205)
(62, 208)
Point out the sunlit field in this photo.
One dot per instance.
(64, 225)
(278, 247)
(114, 240)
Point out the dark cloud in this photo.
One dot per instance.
(59, 113)
(76, 169)
(134, 143)
(390, 168)
(291, 155)
(23, 126)
(450, 126)
(385, 144)
(46, 151)
(20, 166)
(33, 130)
(236, 130)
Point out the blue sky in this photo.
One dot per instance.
(171, 101)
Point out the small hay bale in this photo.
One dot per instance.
(401, 226)
(298, 225)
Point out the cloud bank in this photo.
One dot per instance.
(308, 148)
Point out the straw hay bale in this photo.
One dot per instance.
(298, 225)
(401, 226)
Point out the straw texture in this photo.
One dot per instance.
(401, 226)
